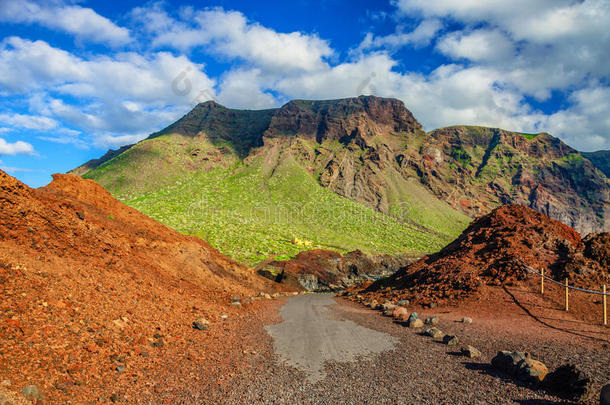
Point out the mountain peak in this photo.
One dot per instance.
(210, 105)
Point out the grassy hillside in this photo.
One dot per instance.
(255, 208)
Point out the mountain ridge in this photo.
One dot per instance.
(374, 152)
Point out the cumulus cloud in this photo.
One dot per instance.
(420, 36)
(83, 23)
(35, 122)
(16, 148)
(480, 45)
(497, 55)
(230, 34)
(126, 93)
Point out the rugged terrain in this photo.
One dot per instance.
(326, 270)
(96, 296)
(252, 181)
(493, 251)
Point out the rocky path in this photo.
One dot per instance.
(325, 352)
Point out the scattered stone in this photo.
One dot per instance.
(117, 359)
(531, 371)
(604, 395)
(359, 297)
(120, 369)
(267, 296)
(433, 320)
(403, 303)
(275, 295)
(157, 343)
(80, 215)
(115, 398)
(388, 306)
(432, 305)
(434, 333)
(373, 304)
(236, 304)
(401, 314)
(507, 361)
(224, 316)
(467, 320)
(471, 352)
(237, 298)
(31, 392)
(450, 340)
(261, 294)
(570, 383)
(388, 312)
(414, 321)
(5, 383)
(201, 324)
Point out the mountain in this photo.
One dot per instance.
(89, 284)
(347, 174)
(600, 159)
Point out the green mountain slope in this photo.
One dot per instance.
(345, 174)
(255, 208)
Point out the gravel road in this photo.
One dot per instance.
(310, 335)
(417, 370)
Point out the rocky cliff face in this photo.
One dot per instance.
(372, 150)
(476, 169)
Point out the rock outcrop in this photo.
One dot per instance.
(326, 270)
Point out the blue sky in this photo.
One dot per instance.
(79, 77)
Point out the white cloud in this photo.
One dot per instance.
(230, 34)
(480, 45)
(245, 89)
(30, 65)
(16, 148)
(34, 122)
(83, 23)
(114, 141)
(420, 36)
(501, 53)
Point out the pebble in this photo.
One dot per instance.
(467, 320)
(414, 321)
(120, 369)
(224, 316)
(450, 340)
(403, 303)
(201, 324)
(236, 304)
(471, 352)
(433, 320)
(31, 392)
(434, 333)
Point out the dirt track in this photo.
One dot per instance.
(310, 335)
(420, 370)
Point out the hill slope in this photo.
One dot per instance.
(493, 250)
(89, 284)
(346, 174)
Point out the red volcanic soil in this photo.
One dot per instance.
(97, 298)
(492, 251)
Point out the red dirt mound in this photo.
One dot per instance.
(492, 250)
(91, 287)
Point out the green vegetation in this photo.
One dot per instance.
(528, 136)
(461, 156)
(254, 209)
